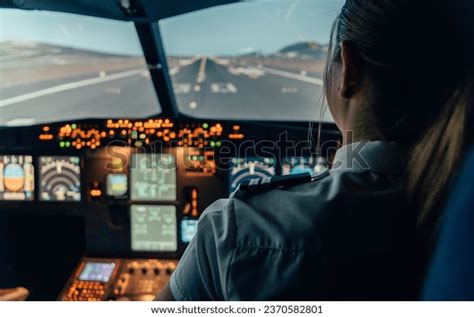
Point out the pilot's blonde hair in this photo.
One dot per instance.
(421, 87)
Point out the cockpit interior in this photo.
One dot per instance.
(122, 120)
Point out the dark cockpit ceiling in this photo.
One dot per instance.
(126, 10)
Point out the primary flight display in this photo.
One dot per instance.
(17, 177)
(60, 178)
(250, 168)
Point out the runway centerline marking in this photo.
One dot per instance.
(69, 86)
(202, 70)
(281, 73)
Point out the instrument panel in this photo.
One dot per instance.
(141, 185)
(138, 188)
(117, 279)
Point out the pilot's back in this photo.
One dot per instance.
(343, 236)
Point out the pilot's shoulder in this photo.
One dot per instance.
(255, 186)
(223, 210)
(217, 206)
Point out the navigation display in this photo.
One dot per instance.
(153, 177)
(250, 168)
(188, 229)
(298, 165)
(153, 228)
(117, 184)
(96, 271)
(17, 180)
(60, 178)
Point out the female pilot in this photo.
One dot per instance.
(399, 84)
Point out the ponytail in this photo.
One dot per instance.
(437, 154)
(421, 93)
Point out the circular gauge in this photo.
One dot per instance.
(249, 170)
(60, 179)
(298, 165)
(14, 177)
(299, 169)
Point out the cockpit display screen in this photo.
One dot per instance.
(153, 177)
(153, 228)
(298, 165)
(188, 229)
(250, 168)
(117, 185)
(60, 178)
(17, 180)
(97, 271)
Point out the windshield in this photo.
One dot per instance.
(58, 67)
(254, 60)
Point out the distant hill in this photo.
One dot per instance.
(304, 50)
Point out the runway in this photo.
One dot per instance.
(204, 86)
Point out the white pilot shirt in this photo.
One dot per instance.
(344, 237)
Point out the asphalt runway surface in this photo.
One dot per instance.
(207, 87)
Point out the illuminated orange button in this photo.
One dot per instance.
(236, 136)
(96, 193)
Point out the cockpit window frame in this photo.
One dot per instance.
(152, 46)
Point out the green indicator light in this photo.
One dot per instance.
(73, 126)
(195, 158)
(218, 143)
(61, 144)
(205, 125)
(213, 144)
(68, 144)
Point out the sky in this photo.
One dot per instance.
(264, 26)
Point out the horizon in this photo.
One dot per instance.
(129, 55)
